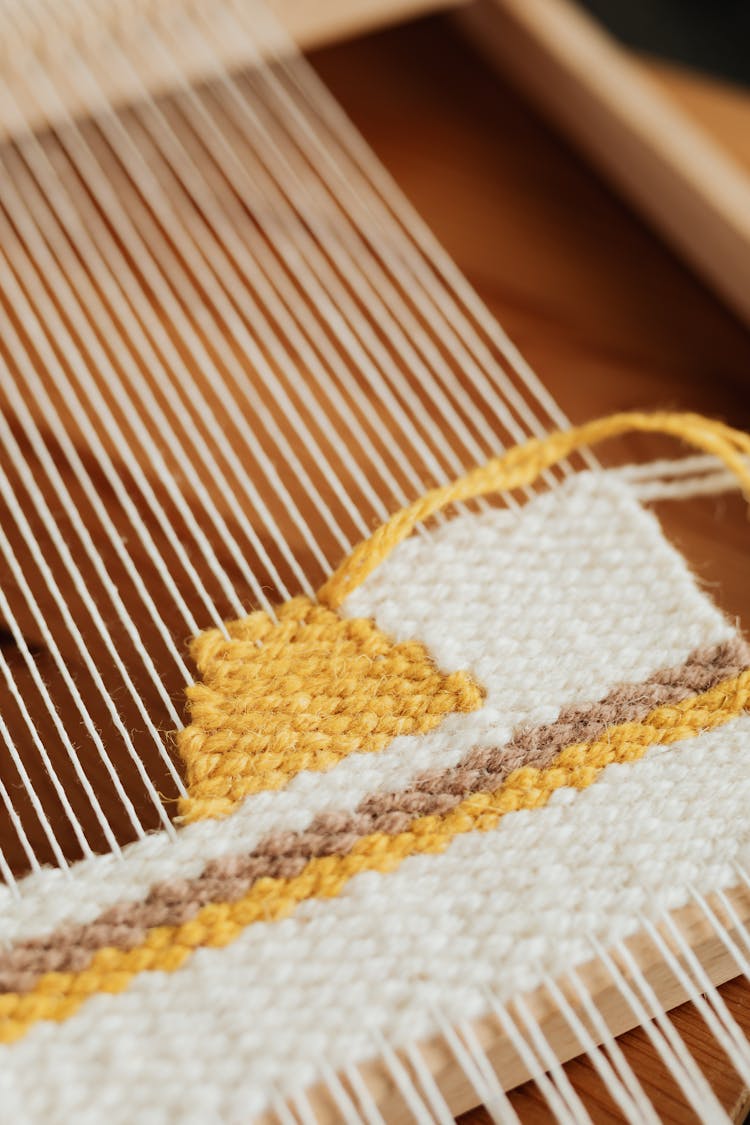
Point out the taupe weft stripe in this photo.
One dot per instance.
(284, 854)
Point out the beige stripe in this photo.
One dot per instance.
(284, 855)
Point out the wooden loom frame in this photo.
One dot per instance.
(333, 22)
(688, 184)
(457, 1091)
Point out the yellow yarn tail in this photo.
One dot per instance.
(524, 464)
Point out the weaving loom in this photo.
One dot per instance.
(287, 837)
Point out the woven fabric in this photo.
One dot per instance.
(299, 693)
(601, 772)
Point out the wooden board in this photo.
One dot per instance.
(689, 185)
(511, 1070)
(719, 108)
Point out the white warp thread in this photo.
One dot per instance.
(552, 608)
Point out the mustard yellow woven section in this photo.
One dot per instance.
(300, 693)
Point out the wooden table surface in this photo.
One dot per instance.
(607, 316)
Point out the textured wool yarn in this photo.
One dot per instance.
(538, 732)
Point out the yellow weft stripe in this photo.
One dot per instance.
(57, 995)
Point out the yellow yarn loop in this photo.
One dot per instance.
(523, 465)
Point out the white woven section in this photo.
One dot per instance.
(580, 593)
(554, 607)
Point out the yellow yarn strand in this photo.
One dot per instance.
(57, 996)
(523, 465)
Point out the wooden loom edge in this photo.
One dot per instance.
(691, 189)
(456, 1089)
